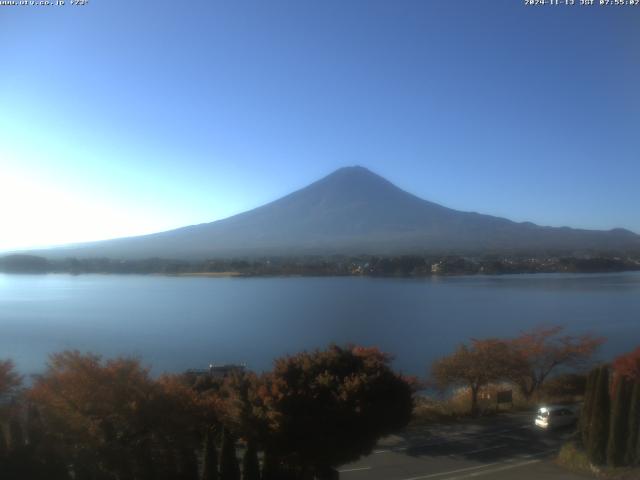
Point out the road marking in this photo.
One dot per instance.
(478, 450)
(431, 475)
(358, 469)
(508, 464)
(494, 470)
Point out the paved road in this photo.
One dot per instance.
(500, 448)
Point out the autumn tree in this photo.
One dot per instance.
(326, 408)
(187, 415)
(242, 408)
(9, 378)
(101, 410)
(545, 349)
(475, 366)
(118, 422)
(628, 365)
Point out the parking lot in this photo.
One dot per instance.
(503, 447)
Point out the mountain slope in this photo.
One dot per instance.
(352, 211)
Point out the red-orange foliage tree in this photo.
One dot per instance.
(242, 408)
(116, 421)
(628, 365)
(9, 378)
(329, 407)
(474, 366)
(544, 349)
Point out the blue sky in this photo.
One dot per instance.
(121, 118)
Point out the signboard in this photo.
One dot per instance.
(505, 396)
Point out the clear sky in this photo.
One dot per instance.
(125, 117)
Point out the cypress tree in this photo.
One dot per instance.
(616, 447)
(34, 428)
(4, 452)
(3, 444)
(188, 464)
(270, 467)
(250, 465)
(15, 433)
(229, 468)
(168, 461)
(210, 458)
(144, 466)
(631, 454)
(84, 467)
(599, 423)
(587, 406)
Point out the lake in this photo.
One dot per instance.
(175, 323)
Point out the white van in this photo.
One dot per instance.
(555, 416)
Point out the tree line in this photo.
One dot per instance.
(87, 418)
(90, 418)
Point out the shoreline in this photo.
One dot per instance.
(404, 266)
(236, 274)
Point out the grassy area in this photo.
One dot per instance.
(431, 410)
(575, 459)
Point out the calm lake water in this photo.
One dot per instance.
(178, 323)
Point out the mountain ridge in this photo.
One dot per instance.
(351, 211)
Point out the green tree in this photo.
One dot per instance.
(144, 464)
(188, 463)
(619, 426)
(16, 433)
(475, 366)
(271, 468)
(632, 456)
(250, 464)
(3, 443)
(599, 424)
(587, 406)
(168, 461)
(628, 366)
(34, 427)
(329, 407)
(209, 458)
(229, 468)
(4, 451)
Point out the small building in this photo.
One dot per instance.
(218, 371)
(223, 371)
